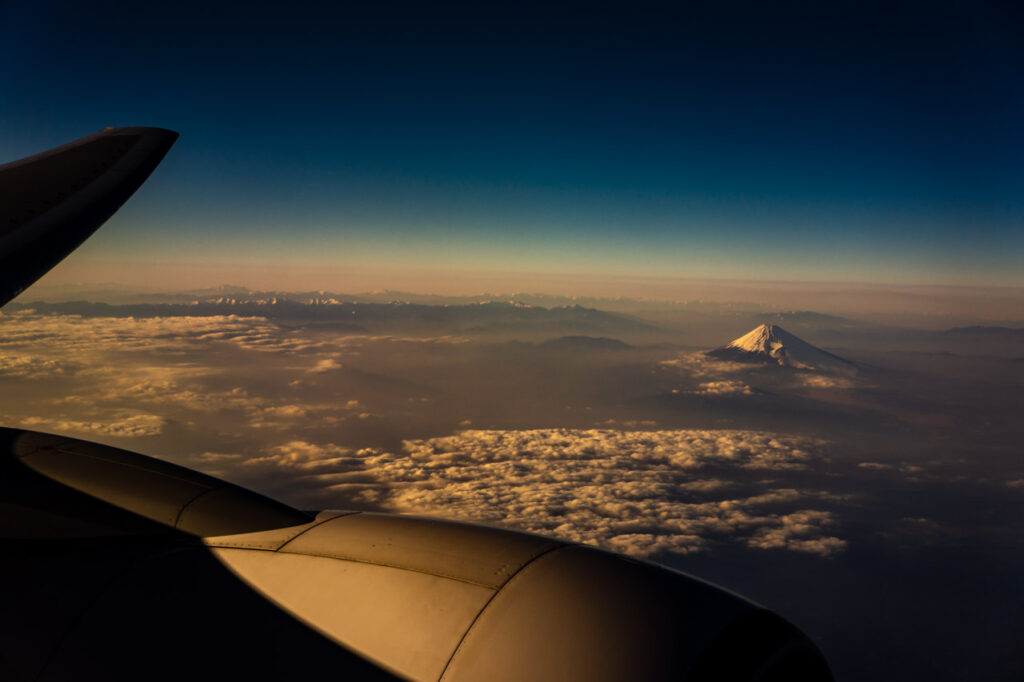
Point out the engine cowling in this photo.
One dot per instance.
(136, 567)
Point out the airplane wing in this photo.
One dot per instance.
(114, 565)
(52, 202)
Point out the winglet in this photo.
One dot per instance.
(52, 202)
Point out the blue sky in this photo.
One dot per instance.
(854, 142)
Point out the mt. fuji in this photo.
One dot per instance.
(771, 344)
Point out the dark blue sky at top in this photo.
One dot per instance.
(846, 140)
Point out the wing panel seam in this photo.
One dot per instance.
(476, 618)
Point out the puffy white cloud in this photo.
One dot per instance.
(274, 416)
(161, 387)
(724, 387)
(802, 531)
(33, 367)
(876, 466)
(299, 454)
(124, 426)
(325, 365)
(809, 380)
(217, 457)
(639, 492)
(701, 365)
(902, 467)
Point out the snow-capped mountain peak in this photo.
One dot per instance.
(770, 343)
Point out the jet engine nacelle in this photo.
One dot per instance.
(118, 565)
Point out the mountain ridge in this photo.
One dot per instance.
(771, 344)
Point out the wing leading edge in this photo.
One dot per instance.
(52, 202)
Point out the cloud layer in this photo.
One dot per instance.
(113, 376)
(714, 377)
(638, 492)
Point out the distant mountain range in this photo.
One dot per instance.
(484, 317)
(980, 332)
(116, 294)
(772, 345)
(688, 323)
(585, 344)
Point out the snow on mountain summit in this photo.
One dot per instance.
(771, 344)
